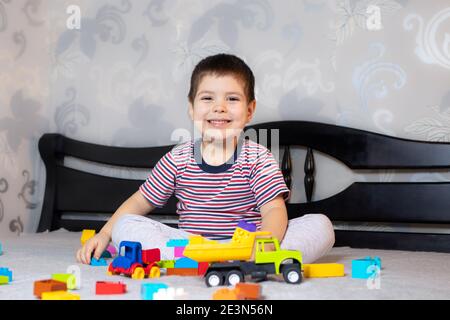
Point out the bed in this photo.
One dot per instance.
(414, 263)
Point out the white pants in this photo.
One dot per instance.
(311, 234)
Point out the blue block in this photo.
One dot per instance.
(186, 263)
(360, 267)
(6, 272)
(177, 243)
(99, 262)
(247, 226)
(148, 289)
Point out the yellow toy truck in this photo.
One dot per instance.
(229, 262)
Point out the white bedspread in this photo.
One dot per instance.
(405, 275)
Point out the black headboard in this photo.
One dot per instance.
(70, 191)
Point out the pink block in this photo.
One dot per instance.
(179, 252)
(111, 250)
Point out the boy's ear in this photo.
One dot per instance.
(191, 111)
(251, 107)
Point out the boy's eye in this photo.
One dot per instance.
(233, 98)
(206, 98)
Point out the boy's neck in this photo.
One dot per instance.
(216, 153)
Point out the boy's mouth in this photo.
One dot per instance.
(219, 122)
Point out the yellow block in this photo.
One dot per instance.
(86, 235)
(59, 295)
(323, 270)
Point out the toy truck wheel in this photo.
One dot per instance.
(154, 272)
(138, 273)
(292, 274)
(233, 277)
(214, 279)
(110, 271)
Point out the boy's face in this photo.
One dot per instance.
(221, 108)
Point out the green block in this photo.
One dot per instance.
(166, 264)
(69, 279)
(4, 279)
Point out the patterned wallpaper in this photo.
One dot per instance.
(122, 77)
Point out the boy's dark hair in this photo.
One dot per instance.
(220, 65)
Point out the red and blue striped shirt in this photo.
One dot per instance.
(213, 199)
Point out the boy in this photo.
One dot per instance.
(219, 179)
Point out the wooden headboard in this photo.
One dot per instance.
(70, 192)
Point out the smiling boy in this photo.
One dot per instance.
(218, 179)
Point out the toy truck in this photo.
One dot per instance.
(229, 262)
(135, 262)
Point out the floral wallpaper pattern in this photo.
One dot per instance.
(122, 78)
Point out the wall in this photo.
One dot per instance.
(122, 78)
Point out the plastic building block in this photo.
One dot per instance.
(105, 287)
(4, 279)
(69, 279)
(86, 235)
(182, 272)
(323, 270)
(98, 263)
(366, 267)
(148, 289)
(178, 252)
(47, 286)
(247, 226)
(166, 264)
(135, 262)
(112, 250)
(76, 271)
(169, 294)
(202, 268)
(6, 272)
(177, 243)
(186, 263)
(226, 294)
(251, 291)
(59, 295)
(242, 291)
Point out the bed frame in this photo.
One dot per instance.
(73, 196)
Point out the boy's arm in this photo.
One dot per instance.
(136, 204)
(274, 217)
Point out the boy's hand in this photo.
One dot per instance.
(96, 244)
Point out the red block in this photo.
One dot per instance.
(106, 287)
(202, 268)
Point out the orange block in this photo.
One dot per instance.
(227, 294)
(47, 286)
(182, 272)
(248, 290)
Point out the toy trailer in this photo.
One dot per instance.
(135, 262)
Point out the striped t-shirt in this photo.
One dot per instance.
(213, 199)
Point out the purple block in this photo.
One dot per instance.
(179, 252)
(247, 226)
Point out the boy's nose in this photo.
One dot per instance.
(219, 107)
